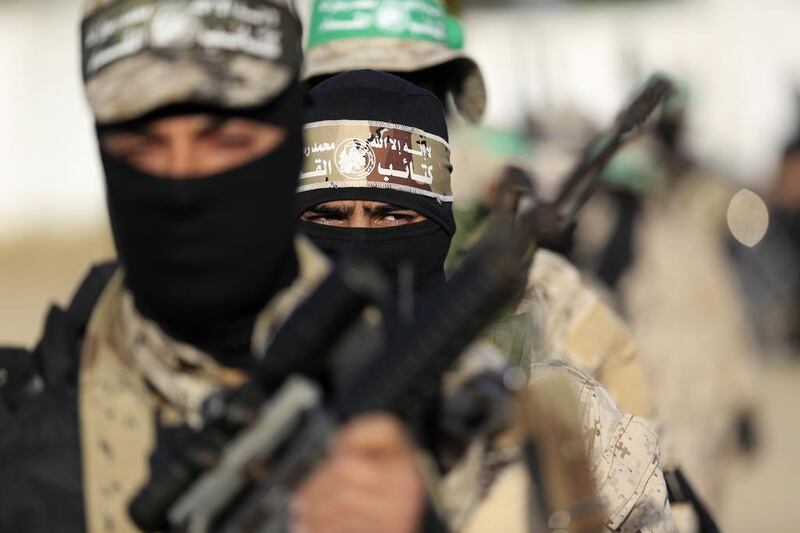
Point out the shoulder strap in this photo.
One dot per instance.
(54, 358)
(679, 490)
(23, 373)
(58, 351)
(17, 377)
(89, 291)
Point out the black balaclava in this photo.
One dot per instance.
(203, 256)
(419, 249)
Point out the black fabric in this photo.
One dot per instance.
(86, 296)
(788, 222)
(373, 95)
(377, 96)
(431, 521)
(18, 375)
(42, 485)
(680, 490)
(430, 208)
(41, 476)
(203, 256)
(382, 97)
(421, 247)
(618, 255)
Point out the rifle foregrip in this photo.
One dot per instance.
(149, 508)
(407, 374)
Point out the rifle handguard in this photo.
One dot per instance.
(403, 378)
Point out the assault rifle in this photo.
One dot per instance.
(265, 438)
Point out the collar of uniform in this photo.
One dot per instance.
(181, 375)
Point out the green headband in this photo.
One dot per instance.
(412, 20)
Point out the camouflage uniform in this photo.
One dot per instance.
(130, 377)
(134, 377)
(622, 451)
(561, 315)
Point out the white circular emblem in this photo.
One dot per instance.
(355, 159)
(172, 27)
(391, 18)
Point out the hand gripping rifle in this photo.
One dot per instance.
(248, 483)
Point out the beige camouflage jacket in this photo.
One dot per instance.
(622, 450)
(563, 318)
(574, 323)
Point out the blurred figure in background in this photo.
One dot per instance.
(661, 248)
(770, 269)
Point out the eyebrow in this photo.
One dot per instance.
(384, 209)
(332, 210)
(335, 211)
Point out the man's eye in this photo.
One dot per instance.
(397, 218)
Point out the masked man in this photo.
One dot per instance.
(376, 184)
(198, 114)
(561, 316)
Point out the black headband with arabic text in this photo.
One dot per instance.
(371, 154)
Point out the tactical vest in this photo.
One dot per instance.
(41, 477)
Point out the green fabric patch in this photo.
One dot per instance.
(634, 169)
(502, 143)
(412, 20)
(512, 334)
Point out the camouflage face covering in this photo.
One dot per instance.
(139, 55)
(358, 153)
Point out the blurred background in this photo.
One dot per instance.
(725, 160)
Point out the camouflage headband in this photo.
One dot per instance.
(370, 154)
(139, 55)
